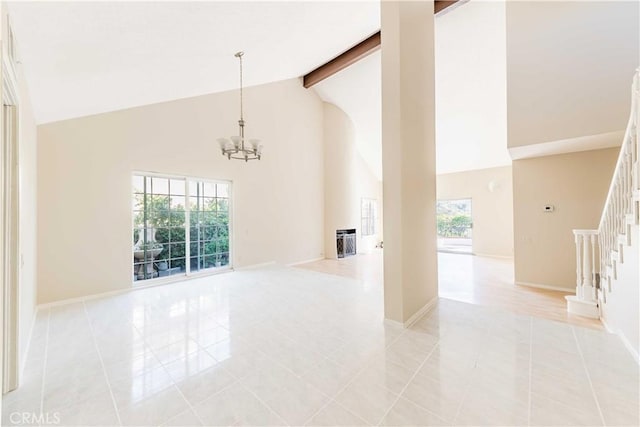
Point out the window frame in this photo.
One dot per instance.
(372, 217)
(188, 179)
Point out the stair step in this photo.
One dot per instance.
(615, 256)
(624, 239)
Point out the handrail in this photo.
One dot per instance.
(602, 250)
(635, 94)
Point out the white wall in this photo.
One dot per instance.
(491, 194)
(471, 87)
(84, 182)
(569, 68)
(576, 184)
(347, 180)
(620, 313)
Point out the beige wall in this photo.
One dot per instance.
(347, 180)
(84, 182)
(569, 68)
(491, 194)
(576, 185)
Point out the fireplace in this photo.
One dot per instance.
(346, 242)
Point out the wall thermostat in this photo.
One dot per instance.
(548, 208)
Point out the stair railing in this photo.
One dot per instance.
(601, 250)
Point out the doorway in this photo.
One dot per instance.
(454, 220)
(9, 226)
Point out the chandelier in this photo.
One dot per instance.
(239, 147)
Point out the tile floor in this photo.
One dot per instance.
(285, 346)
(473, 279)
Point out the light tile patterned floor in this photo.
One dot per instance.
(284, 346)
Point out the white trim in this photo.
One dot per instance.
(547, 287)
(420, 313)
(254, 266)
(293, 264)
(187, 179)
(569, 145)
(625, 341)
(165, 281)
(508, 257)
(415, 317)
(392, 322)
(23, 361)
(11, 223)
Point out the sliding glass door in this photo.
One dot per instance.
(163, 244)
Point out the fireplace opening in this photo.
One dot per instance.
(346, 242)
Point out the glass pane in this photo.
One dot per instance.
(210, 247)
(208, 233)
(208, 219)
(177, 203)
(177, 218)
(160, 186)
(209, 189)
(222, 245)
(177, 250)
(163, 235)
(195, 204)
(211, 261)
(193, 247)
(194, 264)
(223, 204)
(223, 190)
(195, 188)
(138, 184)
(177, 187)
(177, 234)
(177, 266)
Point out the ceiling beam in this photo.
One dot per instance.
(357, 52)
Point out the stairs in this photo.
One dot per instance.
(602, 253)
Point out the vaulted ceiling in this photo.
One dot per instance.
(83, 58)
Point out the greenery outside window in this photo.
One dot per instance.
(180, 225)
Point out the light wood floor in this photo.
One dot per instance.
(471, 279)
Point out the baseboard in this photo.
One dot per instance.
(93, 296)
(169, 281)
(23, 360)
(293, 264)
(416, 316)
(624, 340)
(254, 266)
(547, 287)
(506, 257)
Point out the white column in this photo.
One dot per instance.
(408, 158)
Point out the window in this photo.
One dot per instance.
(180, 225)
(369, 216)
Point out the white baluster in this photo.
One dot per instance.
(578, 239)
(587, 282)
(592, 272)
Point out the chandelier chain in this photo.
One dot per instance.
(241, 115)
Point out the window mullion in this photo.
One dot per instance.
(187, 234)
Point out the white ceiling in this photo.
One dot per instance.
(471, 111)
(357, 91)
(83, 58)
